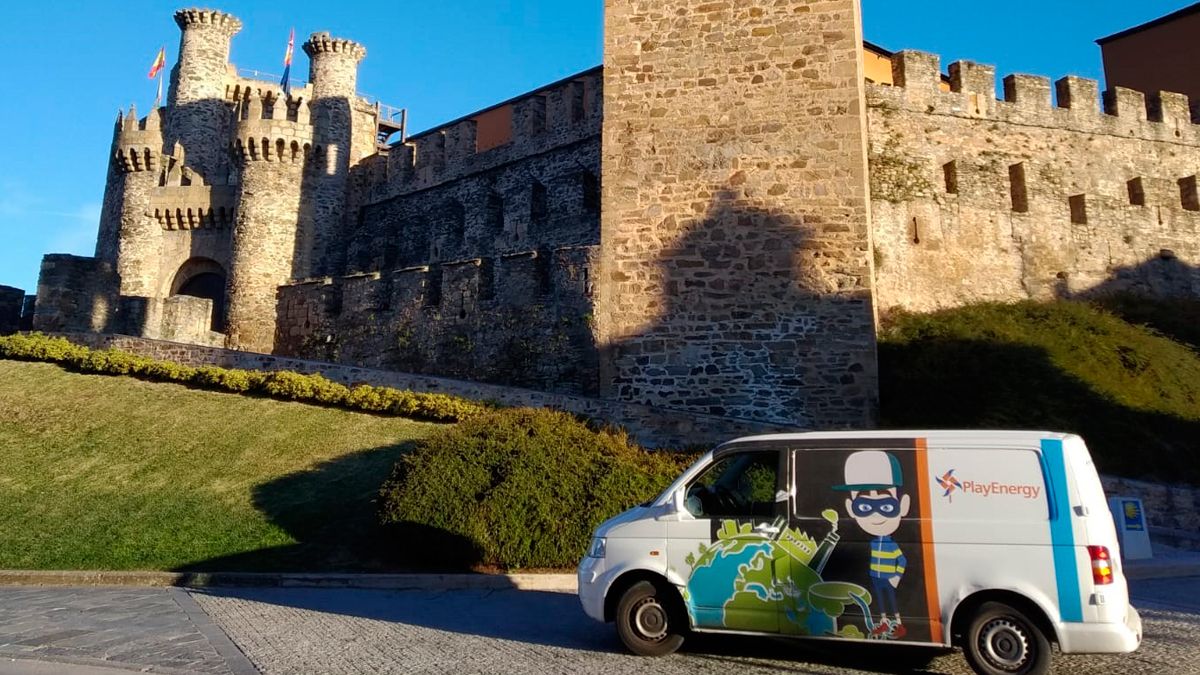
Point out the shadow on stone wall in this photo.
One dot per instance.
(750, 313)
(1162, 293)
(330, 511)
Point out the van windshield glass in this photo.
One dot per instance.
(738, 486)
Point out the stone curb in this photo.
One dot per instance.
(552, 583)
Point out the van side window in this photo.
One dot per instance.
(738, 486)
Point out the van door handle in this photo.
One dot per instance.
(766, 528)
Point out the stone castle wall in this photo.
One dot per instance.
(979, 199)
(736, 272)
(468, 262)
(12, 301)
(651, 426)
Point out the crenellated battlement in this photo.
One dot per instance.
(194, 207)
(271, 128)
(139, 142)
(558, 115)
(323, 43)
(207, 18)
(1029, 100)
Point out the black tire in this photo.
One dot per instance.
(1003, 641)
(648, 621)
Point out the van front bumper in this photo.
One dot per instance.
(1102, 638)
(592, 584)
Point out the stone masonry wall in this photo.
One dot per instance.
(470, 263)
(1167, 506)
(11, 302)
(75, 294)
(653, 427)
(736, 277)
(977, 199)
(520, 319)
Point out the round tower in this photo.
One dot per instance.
(138, 155)
(333, 74)
(199, 118)
(272, 147)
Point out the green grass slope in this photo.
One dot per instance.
(1132, 392)
(115, 473)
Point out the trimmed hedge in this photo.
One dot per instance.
(285, 385)
(517, 488)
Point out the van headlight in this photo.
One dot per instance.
(598, 548)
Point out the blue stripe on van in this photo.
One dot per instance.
(1062, 535)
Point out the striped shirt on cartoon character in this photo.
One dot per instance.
(874, 479)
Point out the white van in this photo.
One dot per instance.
(997, 542)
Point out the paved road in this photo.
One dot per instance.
(285, 631)
(336, 631)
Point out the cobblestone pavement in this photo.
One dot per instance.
(324, 631)
(153, 630)
(77, 631)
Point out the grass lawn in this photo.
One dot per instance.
(1132, 392)
(101, 472)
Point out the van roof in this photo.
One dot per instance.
(965, 436)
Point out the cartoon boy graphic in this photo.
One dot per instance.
(874, 480)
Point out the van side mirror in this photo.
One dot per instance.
(674, 509)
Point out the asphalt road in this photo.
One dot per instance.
(277, 631)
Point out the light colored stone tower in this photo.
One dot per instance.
(736, 250)
(337, 140)
(198, 117)
(274, 141)
(138, 162)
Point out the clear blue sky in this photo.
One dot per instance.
(75, 62)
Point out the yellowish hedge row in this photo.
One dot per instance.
(285, 385)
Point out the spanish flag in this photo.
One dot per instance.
(159, 62)
(287, 64)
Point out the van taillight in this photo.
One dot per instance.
(1102, 571)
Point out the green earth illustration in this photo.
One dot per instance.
(749, 581)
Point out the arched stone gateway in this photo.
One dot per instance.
(203, 278)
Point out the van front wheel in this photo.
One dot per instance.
(648, 622)
(1003, 641)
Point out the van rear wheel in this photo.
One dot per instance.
(648, 621)
(1003, 641)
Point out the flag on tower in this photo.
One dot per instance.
(159, 62)
(287, 64)
(156, 69)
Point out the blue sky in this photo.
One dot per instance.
(85, 59)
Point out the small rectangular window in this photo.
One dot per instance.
(1016, 180)
(1079, 209)
(950, 171)
(1188, 195)
(433, 286)
(1137, 192)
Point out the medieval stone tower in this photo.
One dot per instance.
(231, 190)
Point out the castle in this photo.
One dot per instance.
(711, 222)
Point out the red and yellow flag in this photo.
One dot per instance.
(159, 62)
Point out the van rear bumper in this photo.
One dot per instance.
(1102, 638)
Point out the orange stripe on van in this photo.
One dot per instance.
(926, 510)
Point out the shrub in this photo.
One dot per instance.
(279, 384)
(517, 488)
